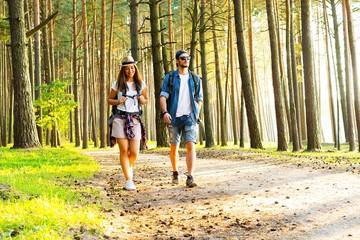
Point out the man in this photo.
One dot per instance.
(180, 102)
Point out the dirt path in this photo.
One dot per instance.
(236, 199)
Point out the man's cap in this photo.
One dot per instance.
(179, 53)
(128, 60)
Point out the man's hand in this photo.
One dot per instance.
(167, 117)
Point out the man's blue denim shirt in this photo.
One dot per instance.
(174, 98)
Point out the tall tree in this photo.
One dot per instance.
(294, 74)
(161, 137)
(209, 138)
(223, 122)
(85, 78)
(25, 134)
(75, 77)
(276, 76)
(352, 48)
(311, 103)
(339, 75)
(329, 76)
(255, 141)
(103, 90)
(349, 83)
(170, 32)
(37, 65)
(134, 29)
(194, 21)
(293, 119)
(233, 100)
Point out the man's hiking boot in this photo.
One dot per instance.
(175, 177)
(190, 181)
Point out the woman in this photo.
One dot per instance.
(128, 93)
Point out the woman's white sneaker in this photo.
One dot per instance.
(130, 185)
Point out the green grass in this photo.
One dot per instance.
(42, 202)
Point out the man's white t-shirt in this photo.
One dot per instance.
(184, 103)
(131, 104)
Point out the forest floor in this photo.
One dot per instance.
(240, 195)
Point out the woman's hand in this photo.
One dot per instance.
(142, 99)
(122, 99)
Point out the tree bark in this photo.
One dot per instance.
(276, 76)
(86, 78)
(222, 113)
(312, 112)
(161, 136)
(255, 141)
(25, 134)
(75, 79)
(193, 42)
(294, 74)
(209, 137)
(352, 48)
(339, 71)
(293, 119)
(349, 83)
(234, 100)
(37, 65)
(103, 90)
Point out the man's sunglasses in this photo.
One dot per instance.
(185, 58)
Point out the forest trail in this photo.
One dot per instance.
(235, 199)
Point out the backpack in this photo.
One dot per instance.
(194, 77)
(123, 92)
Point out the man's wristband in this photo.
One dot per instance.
(162, 115)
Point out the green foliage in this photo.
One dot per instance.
(45, 205)
(4, 29)
(55, 104)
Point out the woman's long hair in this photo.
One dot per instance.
(121, 80)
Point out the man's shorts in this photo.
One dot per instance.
(118, 129)
(183, 126)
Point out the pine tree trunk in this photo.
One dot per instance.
(354, 65)
(103, 92)
(193, 35)
(349, 83)
(209, 137)
(339, 66)
(234, 100)
(276, 76)
(330, 82)
(86, 78)
(109, 62)
(161, 136)
(37, 65)
(294, 123)
(222, 113)
(294, 74)
(255, 141)
(75, 79)
(25, 134)
(170, 33)
(312, 112)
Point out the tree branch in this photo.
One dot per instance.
(41, 25)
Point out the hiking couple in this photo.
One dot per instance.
(180, 103)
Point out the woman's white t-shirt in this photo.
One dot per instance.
(131, 104)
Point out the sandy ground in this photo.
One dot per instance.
(236, 198)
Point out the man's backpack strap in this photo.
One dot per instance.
(195, 78)
(171, 81)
